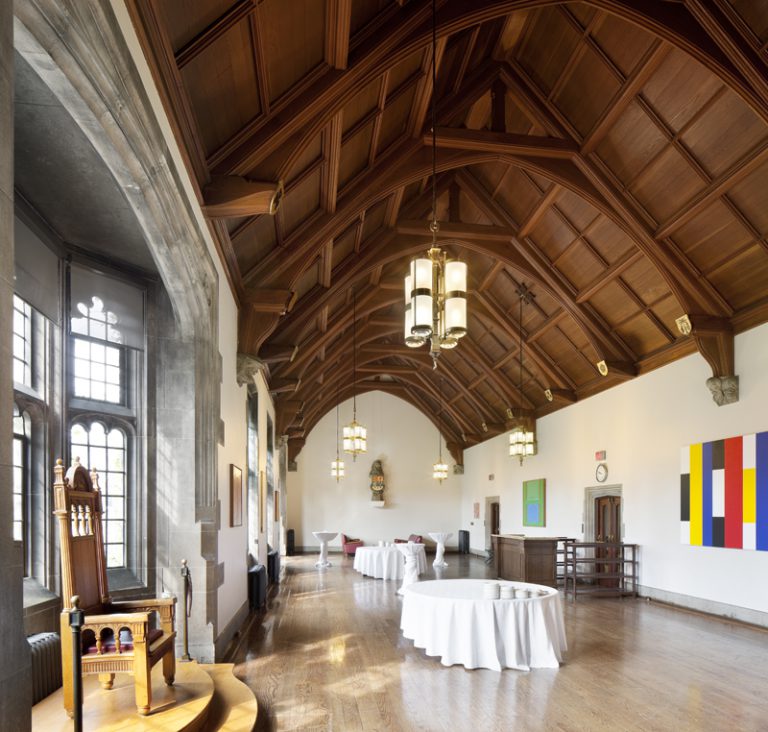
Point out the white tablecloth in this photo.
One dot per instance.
(451, 619)
(385, 562)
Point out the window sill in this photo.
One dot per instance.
(124, 584)
(37, 597)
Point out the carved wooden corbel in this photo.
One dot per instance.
(229, 196)
(714, 340)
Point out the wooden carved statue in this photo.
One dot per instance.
(377, 481)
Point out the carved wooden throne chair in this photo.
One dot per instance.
(125, 636)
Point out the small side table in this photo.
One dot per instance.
(440, 538)
(324, 537)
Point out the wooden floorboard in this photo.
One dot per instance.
(328, 655)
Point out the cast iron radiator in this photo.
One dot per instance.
(45, 649)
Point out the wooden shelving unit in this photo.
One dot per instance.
(599, 567)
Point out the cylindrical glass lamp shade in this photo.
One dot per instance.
(455, 277)
(421, 297)
(455, 316)
(337, 469)
(411, 340)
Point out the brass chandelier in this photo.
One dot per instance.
(435, 287)
(355, 435)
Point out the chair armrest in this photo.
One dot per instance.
(150, 604)
(111, 619)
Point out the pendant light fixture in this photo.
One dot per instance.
(435, 288)
(522, 438)
(355, 435)
(337, 466)
(440, 469)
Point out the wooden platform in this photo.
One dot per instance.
(204, 697)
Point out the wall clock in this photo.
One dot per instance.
(601, 473)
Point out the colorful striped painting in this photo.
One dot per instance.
(724, 493)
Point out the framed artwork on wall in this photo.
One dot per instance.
(534, 502)
(235, 496)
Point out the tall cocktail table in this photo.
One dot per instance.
(324, 537)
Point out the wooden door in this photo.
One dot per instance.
(495, 517)
(608, 529)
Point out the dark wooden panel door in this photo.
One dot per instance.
(495, 517)
(608, 529)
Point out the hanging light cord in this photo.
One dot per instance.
(434, 227)
(521, 350)
(439, 423)
(354, 356)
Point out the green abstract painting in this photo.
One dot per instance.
(534, 502)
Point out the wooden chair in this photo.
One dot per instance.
(117, 636)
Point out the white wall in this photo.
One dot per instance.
(642, 425)
(233, 541)
(406, 443)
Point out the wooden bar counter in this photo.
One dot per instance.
(525, 558)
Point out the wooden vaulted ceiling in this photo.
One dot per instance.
(611, 156)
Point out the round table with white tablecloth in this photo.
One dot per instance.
(385, 562)
(452, 619)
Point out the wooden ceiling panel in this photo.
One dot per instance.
(511, 33)
(645, 282)
(611, 242)
(306, 282)
(552, 235)
(394, 121)
(470, 213)
(646, 142)
(750, 197)
(309, 158)
(712, 236)
(725, 134)
(343, 246)
(743, 279)
(546, 62)
(255, 242)
(185, 19)
(613, 304)
(404, 71)
(516, 192)
(679, 89)
(667, 311)
(221, 82)
(294, 36)
(363, 12)
(755, 15)
(479, 114)
(581, 214)
(577, 367)
(354, 154)
(667, 184)
(303, 201)
(517, 121)
(623, 43)
(584, 103)
(360, 105)
(489, 175)
(374, 220)
(579, 264)
(641, 335)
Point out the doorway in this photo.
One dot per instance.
(492, 521)
(608, 530)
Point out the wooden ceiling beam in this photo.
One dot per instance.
(503, 143)
(338, 14)
(332, 154)
(423, 95)
(555, 376)
(224, 23)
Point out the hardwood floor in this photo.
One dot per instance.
(328, 655)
